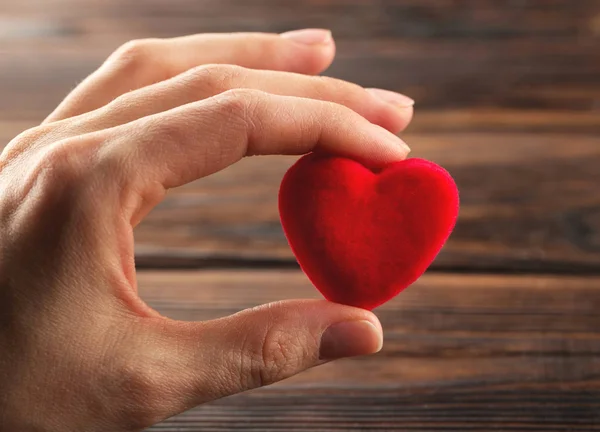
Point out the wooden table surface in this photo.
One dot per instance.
(503, 331)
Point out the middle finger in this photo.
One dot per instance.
(390, 110)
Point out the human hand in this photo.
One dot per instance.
(79, 349)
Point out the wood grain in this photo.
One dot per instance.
(397, 409)
(529, 202)
(461, 353)
(507, 100)
(447, 54)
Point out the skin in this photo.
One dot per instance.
(79, 350)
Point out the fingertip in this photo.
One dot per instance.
(350, 339)
(309, 36)
(371, 318)
(398, 100)
(391, 147)
(406, 118)
(327, 57)
(316, 47)
(394, 120)
(374, 320)
(345, 331)
(374, 149)
(402, 120)
(316, 60)
(396, 110)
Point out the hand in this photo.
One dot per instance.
(79, 349)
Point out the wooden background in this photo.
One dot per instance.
(503, 332)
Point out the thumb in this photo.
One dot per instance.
(266, 344)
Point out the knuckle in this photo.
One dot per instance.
(46, 181)
(217, 78)
(336, 112)
(174, 141)
(243, 97)
(244, 110)
(32, 135)
(132, 55)
(173, 133)
(62, 162)
(282, 351)
(132, 49)
(278, 355)
(64, 172)
(25, 141)
(52, 186)
(241, 103)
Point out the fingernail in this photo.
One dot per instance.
(393, 98)
(349, 339)
(309, 36)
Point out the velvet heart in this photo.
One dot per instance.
(363, 236)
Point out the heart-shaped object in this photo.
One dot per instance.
(363, 236)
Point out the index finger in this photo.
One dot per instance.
(192, 141)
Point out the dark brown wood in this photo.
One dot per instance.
(461, 353)
(529, 202)
(447, 54)
(507, 100)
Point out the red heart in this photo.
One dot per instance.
(360, 236)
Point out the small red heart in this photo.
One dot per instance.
(360, 236)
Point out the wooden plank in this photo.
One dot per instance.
(416, 18)
(445, 54)
(485, 83)
(508, 105)
(529, 202)
(460, 353)
(452, 75)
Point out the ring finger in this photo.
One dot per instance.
(387, 109)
